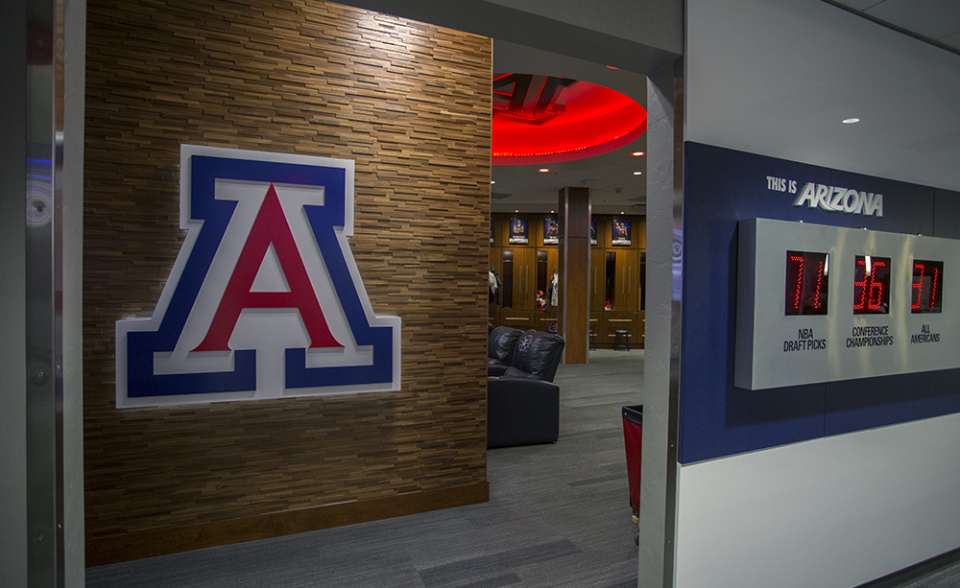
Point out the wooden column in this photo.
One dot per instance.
(574, 311)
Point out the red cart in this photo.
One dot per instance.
(633, 441)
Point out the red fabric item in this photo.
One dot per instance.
(633, 441)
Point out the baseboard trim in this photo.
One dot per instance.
(916, 572)
(140, 544)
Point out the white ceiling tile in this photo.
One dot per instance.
(859, 4)
(929, 18)
(951, 40)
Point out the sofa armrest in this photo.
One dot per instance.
(515, 372)
(496, 368)
(522, 411)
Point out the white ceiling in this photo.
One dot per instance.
(614, 187)
(934, 21)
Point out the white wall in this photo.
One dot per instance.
(776, 77)
(838, 511)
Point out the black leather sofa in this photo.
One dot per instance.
(501, 343)
(523, 403)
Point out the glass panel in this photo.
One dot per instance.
(643, 280)
(506, 299)
(543, 279)
(609, 301)
(44, 393)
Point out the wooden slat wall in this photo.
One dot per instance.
(411, 104)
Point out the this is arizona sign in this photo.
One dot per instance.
(265, 299)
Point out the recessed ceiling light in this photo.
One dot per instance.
(638, 153)
(621, 212)
(851, 121)
(493, 181)
(638, 173)
(544, 170)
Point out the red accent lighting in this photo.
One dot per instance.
(538, 119)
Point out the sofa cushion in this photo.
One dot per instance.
(515, 372)
(501, 343)
(495, 367)
(537, 353)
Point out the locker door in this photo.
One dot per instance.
(628, 281)
(518, 275)
(597, 273)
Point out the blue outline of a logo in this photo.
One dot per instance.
(204, 170)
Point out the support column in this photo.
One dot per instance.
(42, 533)
(574, 311)
(13, 294)
(661, 376)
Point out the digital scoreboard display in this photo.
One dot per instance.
(871, 285)
(927, 289)
(818, 303)
(807, 281)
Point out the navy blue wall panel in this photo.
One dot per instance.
(717, 419)
(855, 405)
(946, 224)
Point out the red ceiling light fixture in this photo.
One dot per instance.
(542, 119)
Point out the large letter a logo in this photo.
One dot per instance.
(270, 228)
(264, 300)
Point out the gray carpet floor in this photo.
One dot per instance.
(558, 516)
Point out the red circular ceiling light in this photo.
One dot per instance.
(542, 119)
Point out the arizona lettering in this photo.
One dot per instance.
(838, 199)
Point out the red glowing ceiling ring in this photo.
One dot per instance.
(540, 120)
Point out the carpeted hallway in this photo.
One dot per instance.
(558, 515)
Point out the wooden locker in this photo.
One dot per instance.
(518, 273)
